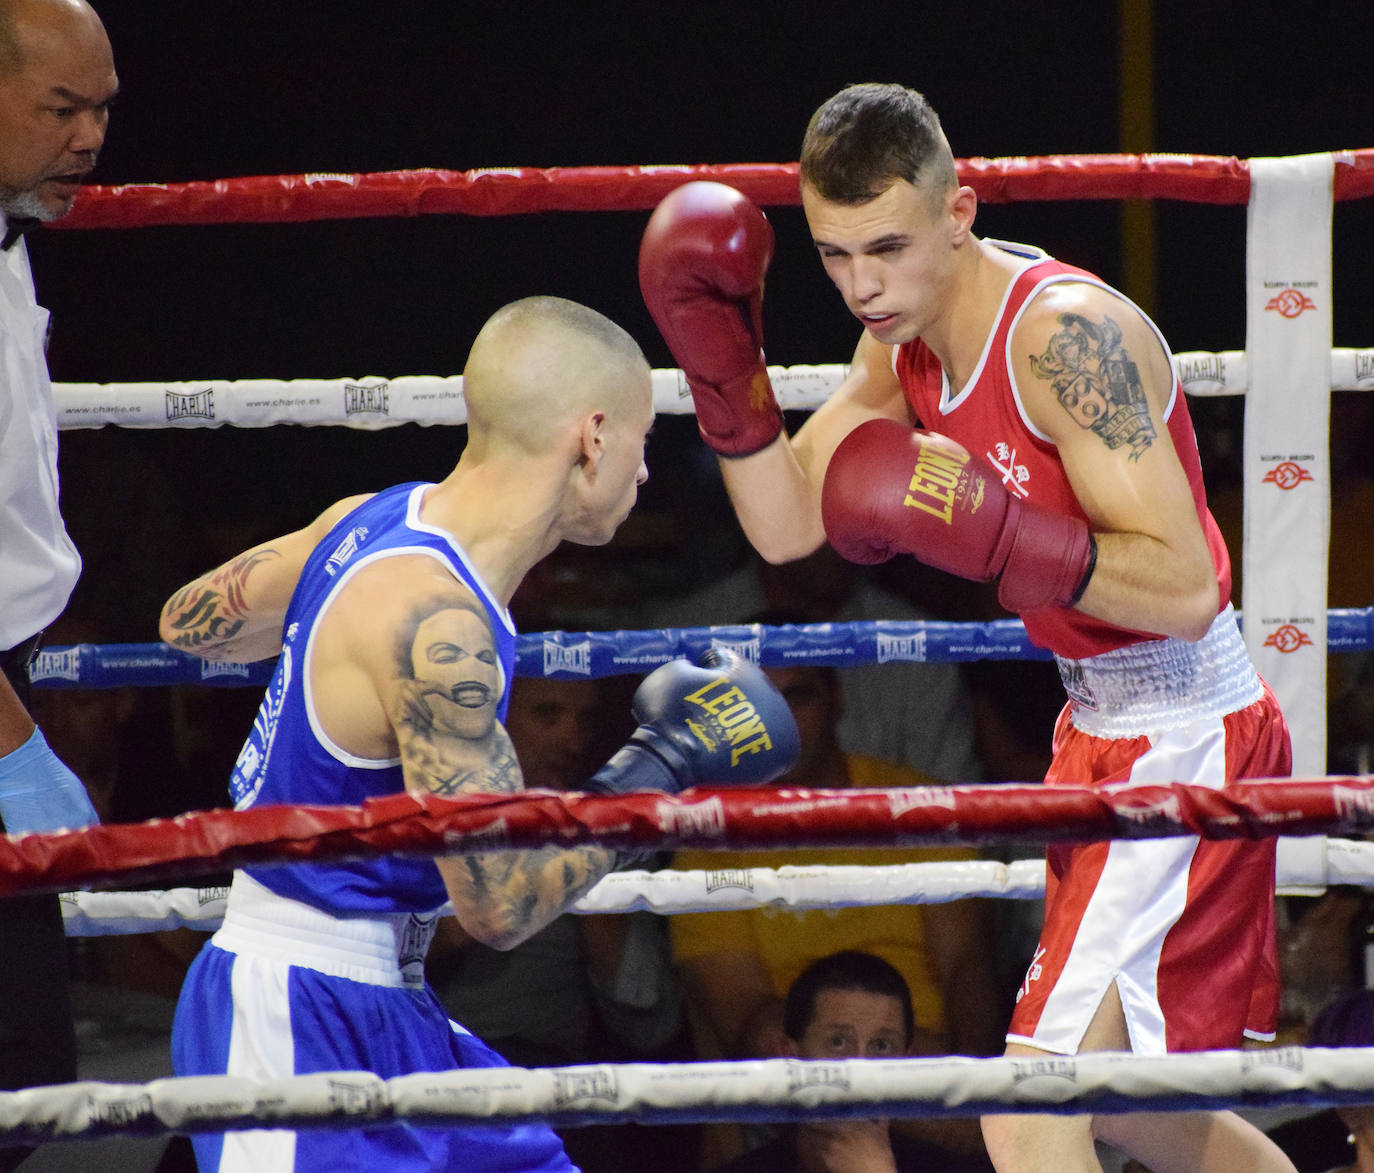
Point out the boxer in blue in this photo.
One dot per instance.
(389, 619)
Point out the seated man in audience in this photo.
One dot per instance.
(736, 966)
(850, 1005)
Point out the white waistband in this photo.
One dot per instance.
(379, 950)
(1162, 683)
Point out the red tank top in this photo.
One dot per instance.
(986, 418)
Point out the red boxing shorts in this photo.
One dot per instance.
(1183, 927)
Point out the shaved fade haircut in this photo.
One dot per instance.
(871, 135)
(573, 316)
(542, 361)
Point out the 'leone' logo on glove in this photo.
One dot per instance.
(731, 717)
(934, 485)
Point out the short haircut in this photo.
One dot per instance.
(576, 318)
(869, 136)
(540, 362)
(849, 969)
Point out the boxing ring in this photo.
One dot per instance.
(1289, 369)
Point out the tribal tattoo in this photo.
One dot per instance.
(211, 611)
(1097, 383)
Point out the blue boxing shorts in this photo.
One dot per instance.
(283, 989)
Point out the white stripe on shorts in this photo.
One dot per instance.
(1138, 898)
(260, 1047)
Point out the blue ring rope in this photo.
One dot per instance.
(582, 655)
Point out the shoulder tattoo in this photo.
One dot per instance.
(1097, 382)
(448, 684)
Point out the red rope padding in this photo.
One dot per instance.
(207, 841)
(505, 191)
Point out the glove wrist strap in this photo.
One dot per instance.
(1087, 573)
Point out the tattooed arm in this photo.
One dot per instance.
(1093, 376)
(442, 696)
(235, 611)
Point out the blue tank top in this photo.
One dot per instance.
(287, 757)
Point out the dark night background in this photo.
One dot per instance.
(245, 87)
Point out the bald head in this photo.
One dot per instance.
(57, 79)
(542, 362)
(25, 24)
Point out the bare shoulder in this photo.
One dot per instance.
(387, 601)
(331, 517)
(1087, 360)
(235, 611)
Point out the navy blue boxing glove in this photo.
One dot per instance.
(39, 793)
(718, 722)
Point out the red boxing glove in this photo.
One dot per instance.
(891, 489)
(702, 262)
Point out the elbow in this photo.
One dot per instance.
(490, 928)
(493, 904)
(783, 536)
(498, 923)
(779, 549)
(1194, 632)
(1197, 612)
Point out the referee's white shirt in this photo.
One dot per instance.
(39, 565)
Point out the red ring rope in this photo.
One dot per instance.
(510, 190)
(207, 841)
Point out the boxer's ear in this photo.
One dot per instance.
(592, 440)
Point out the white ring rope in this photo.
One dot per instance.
(374, 402)
(759, 1090)
(668, 892)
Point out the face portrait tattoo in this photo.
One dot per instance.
(453, 658)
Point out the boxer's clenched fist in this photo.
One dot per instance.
(891, 489)
(702, 262)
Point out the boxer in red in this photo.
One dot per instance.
(1010, 417)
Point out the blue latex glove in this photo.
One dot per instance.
(39, 793)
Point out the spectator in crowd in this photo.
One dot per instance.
(737, 966)
(850, 1005)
